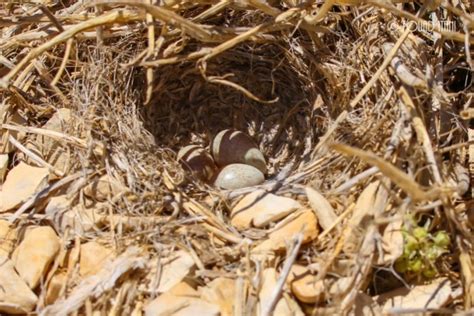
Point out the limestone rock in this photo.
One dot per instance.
(303, 221)
(168, 304)
(308, 289)
(35, 253)
(103, 188)
(183, 289)
(15, 296)
(3, 166)
(261, 208)
(56, 205)
(321, 207)
(7, 238)
(175, 271)
(269, 280)
(55, 286)
(14, 119)
(21, 183)
(431, 296)
(93, 257)
(80, 218)
(220, 291)
(51, 149)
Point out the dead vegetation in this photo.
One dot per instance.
(363, 111)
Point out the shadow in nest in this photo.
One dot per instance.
(187, 109)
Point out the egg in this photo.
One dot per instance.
(232, 146)
(236, 176)
(198, 161)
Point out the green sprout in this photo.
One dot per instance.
(421, 251)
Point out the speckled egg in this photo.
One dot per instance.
(198, 160)
(236, 176)
(232, 146)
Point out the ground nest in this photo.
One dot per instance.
(364, 116)
(186, 109)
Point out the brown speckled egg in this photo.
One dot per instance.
(198, 160)
(236, 176)
(232, 146)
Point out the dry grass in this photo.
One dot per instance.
(144, 80)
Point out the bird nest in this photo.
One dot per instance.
(361, 111)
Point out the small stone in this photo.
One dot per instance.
(15, 296)
(80, 219)
(322, 208)
(22, 182)
(168, 304)
(55, 286)
(261, 208)
(431, 296)
(103, 188)
(307, 289)
(269, 280)
(237, 176)
(7, 238)
(303, 221)
(3, 166)
(220, 291)
(58, 122)
(57, 205)
(93, 257)
(174, 269)
(183, 289)
(35, 253)
(6, 146)
(51, 149)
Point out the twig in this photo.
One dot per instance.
(276, 294)
(67, 52)
(113, 17)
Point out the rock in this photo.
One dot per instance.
(303, 221)
(307, 289)
(80, 219)
(22, 182)
(6, 146)
(103, 188)
(93, 256)
(56, 205)
(321, 207)
(51, 149)
(431, 296)
(174, 269)
(55, 286)
(3, 166)
(183, 289)
(168, 304)
(220, 291)
(304, 286)
(58, 123)
(261, 208)
(7, 238)
(35, 253)
(365, 305)
(15, 296)
(269, 280)
(237, 176)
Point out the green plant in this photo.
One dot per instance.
(421, 251)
